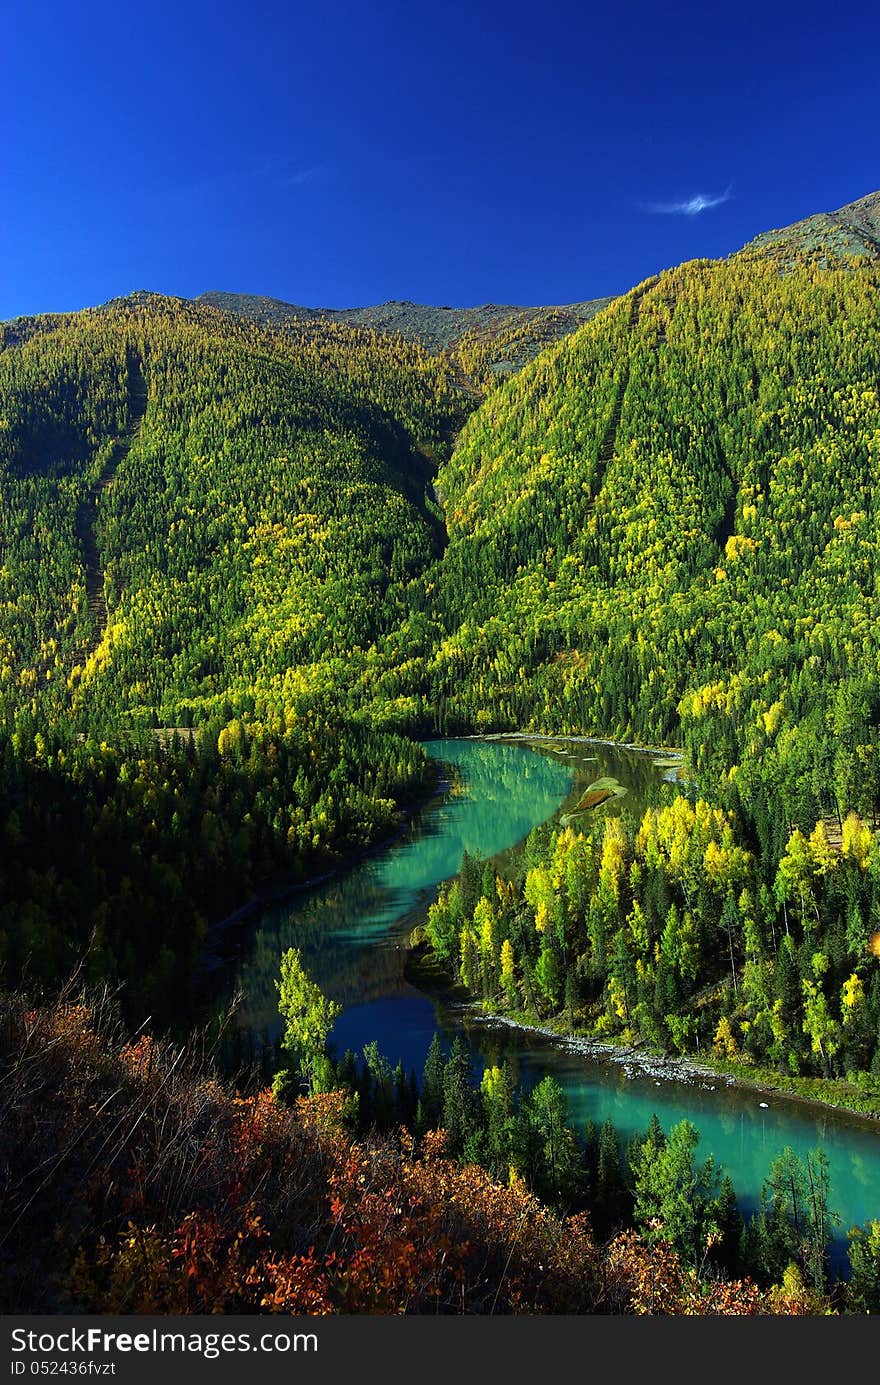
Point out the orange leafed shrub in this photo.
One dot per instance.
(163, 1191)
(651, 1280)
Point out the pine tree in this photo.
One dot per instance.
(460, 1112)
(613, 1201)
(430, 1112)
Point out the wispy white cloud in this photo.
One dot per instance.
(690, 206)
(300, 176)
(249, 176)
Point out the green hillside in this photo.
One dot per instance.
(665, 530)
(208, 507)
(201, 525)
(683, 494)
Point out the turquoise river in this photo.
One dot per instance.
(352, 933)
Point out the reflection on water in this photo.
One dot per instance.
(350, 932)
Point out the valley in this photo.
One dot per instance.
(271, 573)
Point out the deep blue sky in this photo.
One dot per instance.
(455, 153)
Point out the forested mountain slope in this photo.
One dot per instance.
(193, 505)
(200, 511)
(682, 496)
(665, 529)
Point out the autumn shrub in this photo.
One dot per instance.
(134, 1180)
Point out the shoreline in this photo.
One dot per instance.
(425, 975)
(638, 1062)
(670, 750)
(212, 957)
(660, 1066)
(634, 1061)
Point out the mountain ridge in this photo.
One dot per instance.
(856, 221)
(853, 229)
(436, 327)
(491, 340)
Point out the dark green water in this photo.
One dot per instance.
(350, 932)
